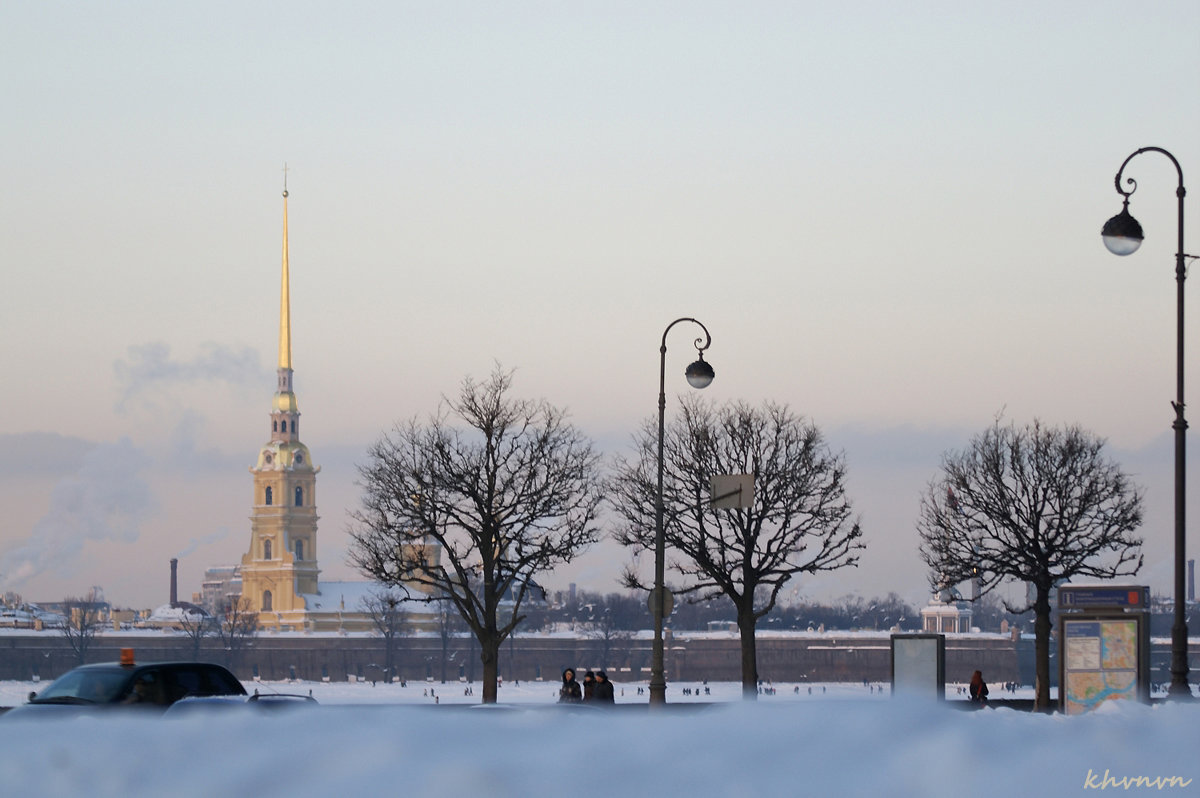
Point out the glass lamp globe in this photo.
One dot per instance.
(1122, 234)
(699, 374)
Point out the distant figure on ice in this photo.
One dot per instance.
(604, 689)
(569, 693)
(589, 686)
(979, 691)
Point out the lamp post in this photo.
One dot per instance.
(1123, 235)
(699, 375)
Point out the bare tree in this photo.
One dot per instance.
(800, 521)
(449, 624)
(82, 618)
(1032, 504)
(235, 628)
(601, 626)
(471, 506)
(195, 625)
(388, 616)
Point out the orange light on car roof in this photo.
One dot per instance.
(127, 656)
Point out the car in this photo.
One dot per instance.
(220, 704)
(149, 687)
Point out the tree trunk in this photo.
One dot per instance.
(1041, 649)
(490, 656)
(746, 623)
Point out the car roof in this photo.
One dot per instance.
(116, 666)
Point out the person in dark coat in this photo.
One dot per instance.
(569, 693)
(604, 689)
(978, 688)
(589, 686)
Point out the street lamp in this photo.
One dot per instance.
(1123, 235)
(699, 374)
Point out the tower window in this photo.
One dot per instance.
(268, 497)
(266, 604)
(299, 549)
(275, 426)
(266, 549)
(299, 496)
(293, 426)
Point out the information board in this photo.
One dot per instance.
(1109, 596)
(919, 665)
(1101, 659)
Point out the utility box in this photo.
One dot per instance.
(919, 665)
(1103, 645)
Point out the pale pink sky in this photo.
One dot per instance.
(887, 216)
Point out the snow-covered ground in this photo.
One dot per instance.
(841, 740)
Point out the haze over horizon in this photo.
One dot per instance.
(888, 217)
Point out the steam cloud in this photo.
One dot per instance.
(106, 500)
(195, 543)
(149, 366)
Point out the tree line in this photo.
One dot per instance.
(469, 507)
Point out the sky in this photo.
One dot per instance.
(887, 215)
(843, 741)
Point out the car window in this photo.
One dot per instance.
(223, 683)
(97, 686)
(203, 680)
(148, 688)
(188, 681)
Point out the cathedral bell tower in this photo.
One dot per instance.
(279, 572)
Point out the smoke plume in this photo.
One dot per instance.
(105, 500)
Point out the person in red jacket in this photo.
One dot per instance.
(978, 689)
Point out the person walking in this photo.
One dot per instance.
(604, 689)
(589, 687)
(978, 688)
(569, 693)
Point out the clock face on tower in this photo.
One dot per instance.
(299, 458)
(267, 458)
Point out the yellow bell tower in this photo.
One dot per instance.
(279, 572)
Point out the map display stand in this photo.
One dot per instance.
(1103, 644)
(919, 665)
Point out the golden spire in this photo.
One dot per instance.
(285, 323)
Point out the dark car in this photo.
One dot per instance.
(153, 686)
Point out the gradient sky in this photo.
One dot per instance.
(887, 214)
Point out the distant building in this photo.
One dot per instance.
(279, 576)
(946, 613)
(222, 586)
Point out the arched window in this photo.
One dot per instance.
(299, 549)
(293, 426)
(299, 496)
(269, 496)
(275, 426)
(266, 549)
(266, 601)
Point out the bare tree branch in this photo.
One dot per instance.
(800, 521)
(1030, 504)
(81, 621)
(388, 616)
(235, 629)
(471, 506)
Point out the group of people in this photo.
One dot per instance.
(596, 688)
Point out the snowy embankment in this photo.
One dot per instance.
(844, 741)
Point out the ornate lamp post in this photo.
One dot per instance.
(699, 375)
(1123, 235)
